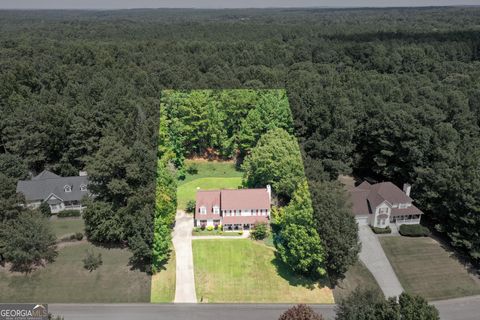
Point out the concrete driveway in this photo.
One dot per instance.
(182, 241)
(374, 258)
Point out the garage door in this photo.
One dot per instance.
(362, 221)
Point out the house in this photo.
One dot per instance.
(234, 209)
(61, 193)
(382, 204)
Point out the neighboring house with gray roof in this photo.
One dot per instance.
(61, 193)
(383, 203)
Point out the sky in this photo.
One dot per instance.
(129, 4)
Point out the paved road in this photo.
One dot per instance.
(182, 241)
(374, 258)
(177, 311)
(467, 308)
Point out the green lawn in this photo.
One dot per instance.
(357, 276)
(241, 270)
(66, 281)
(424, 267)
(211, 169)
(187, 191)
(163, 283)
(65, 226)
(216, 233)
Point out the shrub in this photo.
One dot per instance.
(192, 169)
(202, 227)
(210, 228)
(190, 206)
(92, 261)
(79, 236)
(260, 231)
(240, 232)
(196, 229)
(414, 230)
(300, 312)
(381, 230)
(68, 213)
(45, 209)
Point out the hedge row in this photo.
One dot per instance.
(381, 230)
(68, 213)
(414, 230)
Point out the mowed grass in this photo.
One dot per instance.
(228, 270)
(357, 276)
(65, 226)
(187, 191)
(211, 169)
(425, 268)
(66, 280)
(163, 283)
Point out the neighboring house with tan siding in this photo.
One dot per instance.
(382, 204)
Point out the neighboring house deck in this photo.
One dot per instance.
(61, 193)
(383, 203)
(234, 209)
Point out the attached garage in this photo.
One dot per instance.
(362, 220)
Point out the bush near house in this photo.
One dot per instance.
(414, 230)
(381, 230)
(68, 213)
(190, 208)
(260, 231)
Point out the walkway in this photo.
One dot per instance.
(373, 256)
(182, 241)
(245, 235)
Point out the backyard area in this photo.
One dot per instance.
(67, 281)
(163, 283)
(241, 270)
(425, 268)
(210, 175)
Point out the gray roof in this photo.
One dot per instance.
(47, 183)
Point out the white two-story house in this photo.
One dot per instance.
(382, 204)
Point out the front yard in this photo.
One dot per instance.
(66, 280)
(357, 276)
(425, 268)
(241, 270)
(66, 226)
(163, 283)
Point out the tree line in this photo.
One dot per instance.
(388, 93)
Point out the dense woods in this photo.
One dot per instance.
(391, 94)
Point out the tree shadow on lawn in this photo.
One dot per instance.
(296, 280)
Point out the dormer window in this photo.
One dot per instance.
(83, 187)
(402, 205)
(203, 210)
(67, 188)
(216, 210)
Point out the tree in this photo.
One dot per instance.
(191, 204)
(337, 226)
(370, 304)
(102, 224)
(28, 241)
(300, 312)
(298, 243)
(275, 160)
(260, 231)
(92, 261)
(45, 209)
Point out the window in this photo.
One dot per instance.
(216, 210)
(203, 210)
(83, 187)
(383, 210)
(67, 188)
(402, 205)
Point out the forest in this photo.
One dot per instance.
(391, 94)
